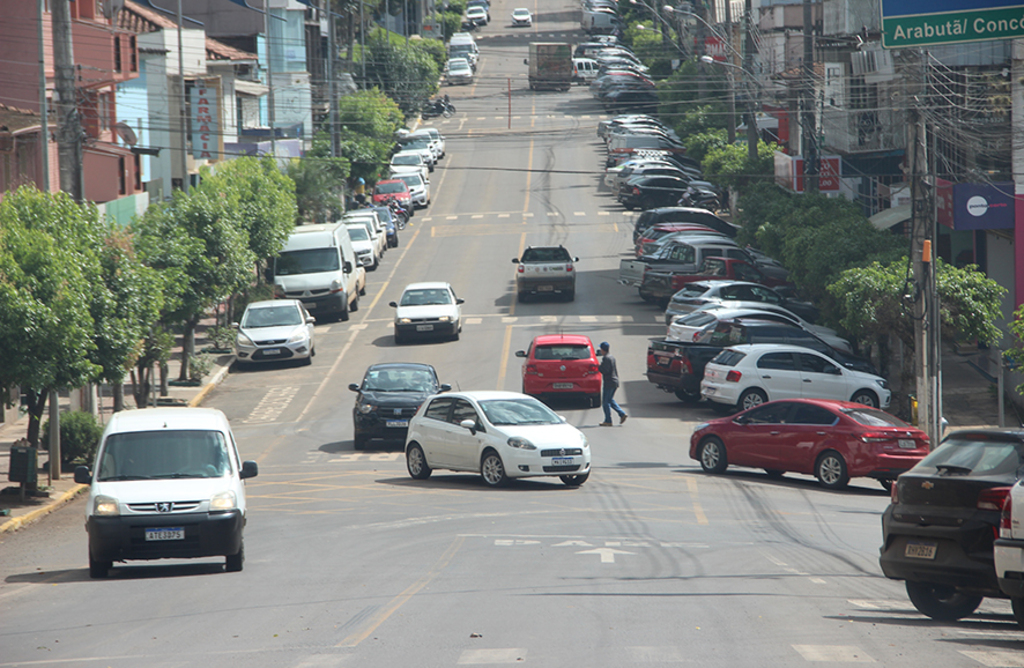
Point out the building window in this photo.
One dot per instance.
(117, 53)
(122, 187)
(138, 172)
(133, 54)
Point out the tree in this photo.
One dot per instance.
(48, 280)
(368, 121)
(729, 165)
(319, 181)
(406, 74)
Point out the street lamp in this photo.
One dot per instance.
(752, 133)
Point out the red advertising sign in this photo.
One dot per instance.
(829, 171)
(716, 48)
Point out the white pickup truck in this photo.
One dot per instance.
(1009, 551)
(544, 270)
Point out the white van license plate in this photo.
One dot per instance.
(424, 328)
(168, 533)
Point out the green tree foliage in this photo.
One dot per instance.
(729, 165)
(407, 75)
(79, 437)
(368, 121)
(700, 142)
(49, 277)
(690, 104)
(434, 48)
(654, 49)
(451, 23)
(319, 181)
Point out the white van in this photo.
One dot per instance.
(462, 45)
(378, 228)
(318, 266)
(600, 21)
(166, 484)
(584, 70)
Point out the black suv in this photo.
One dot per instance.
(939, 530)
(389, 395)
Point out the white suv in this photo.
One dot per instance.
(1009, 551)
(166, 484)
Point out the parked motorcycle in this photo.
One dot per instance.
(440, 106)
(400, 213)
(701, 199)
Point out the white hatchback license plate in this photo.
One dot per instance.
(424, 328)
(561, 461)
(917, 550)
(169, 533)
(907, 443)
(397, 423)
(562, 386)
(272, 351)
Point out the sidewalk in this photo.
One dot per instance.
(60, 492)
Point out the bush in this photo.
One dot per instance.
(199, 366)
(220, 337)
(79, 436)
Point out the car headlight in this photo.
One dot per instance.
(106, 506)
(297, 337)
(224, 501)
(583, 441)
(521, 443)
(404, 321)
(244, 341)
(883, 383)
(445, 318)
(365, 408)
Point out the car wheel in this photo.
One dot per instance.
(774, 474)
(941, 602)
(359, 441)
(570, 295)
(308, 359)
(376, 263)
(416, 463)
(492, 469)
(354, 306)
(712, 455)
(750, 398)
(343, 316)
(362, 290)
(574, 480)
(98, 569)
(595, 400)
(831, 470)
(886, 484)
(233, 562)
(865, 397)
(687, 396)
(1018, 610)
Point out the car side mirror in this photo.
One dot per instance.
(354, 387)
(82, 475)
(515, 260)
(235, 325)
(347, 267)
(526, 61)
(469, 424)
(392, 304)
(575, 259)
(460, 301)
(250, 469)
(520, 353)
(310, 320)
(445, 387)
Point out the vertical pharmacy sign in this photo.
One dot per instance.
(205, 105)
(927, 22)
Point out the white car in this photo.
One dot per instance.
(418, 188)
(459, 71)
(436, 135)
(697, 327)
(500, 435)
(521, 17)
(1009, 551)
(427, 309)
(477, 16)
(751, 374)
(363, 245)
(409, 161)
(374, 225)
(275, 330)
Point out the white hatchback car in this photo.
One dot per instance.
(409, 161)
(500, 435)
(751, 374)
(1009, 551)
(419, 189)
(275, 330)
(521, 17)
(426, 309)
(363, 245)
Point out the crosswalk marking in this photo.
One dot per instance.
(579, 213)
(833, 653)
(474, 321)
(482, 656)
(994, 658)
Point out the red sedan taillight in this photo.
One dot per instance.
(531, 370)
(636, 191)
(568, 267)
(520, 269)
(993, 498)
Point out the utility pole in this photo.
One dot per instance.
(730, 125)
(808, 121)
(44, 130)
(923, 262)
(748, 66)
(701, 11)
(332, 101)
(271, 111)
(69, 133)
(182, 121)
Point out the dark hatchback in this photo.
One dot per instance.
(648, 192)
(939, 530)
(389, 395)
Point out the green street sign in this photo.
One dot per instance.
(962, 24)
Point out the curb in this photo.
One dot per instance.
(16, 523)
(214, 382)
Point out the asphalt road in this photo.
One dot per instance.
(352, 563)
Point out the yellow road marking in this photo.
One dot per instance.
(691, 487)
(506, 345)
(400, 600)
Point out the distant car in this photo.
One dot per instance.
(698, 327)
(363, 245)
(387, 398)
(427, 309)
(390, 224)
(939, 530)
(275, 330)
(560, 365)
(419, 189)
(699, 293)
(403, 162)
(500, 435)
(392, 189)
(545, 270)
(832, 440)
(751, 374)
(1009, 551)
(648, 192)
(459, 71)
(476, 15)
(521, 17)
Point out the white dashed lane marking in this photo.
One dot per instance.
(833, 653)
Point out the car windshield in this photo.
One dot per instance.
(271, 316)
(147, 455)
(875, 418)
(688, 292)
(562, 351)
(412, 179)
(309, 261)
(974, 455)
(399, 380)
(426, 297)
(406, 160)
(358, 234)
(391, 188)
(517, 412)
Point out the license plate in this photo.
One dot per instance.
(424, 328)
(397, 423)
(918, 550)
(561, 461)
(168, 533)
(545, 288)
(309, 305)
(664, 361)
(272, 351)
(562, 386)
(708, 390)
(907, 443)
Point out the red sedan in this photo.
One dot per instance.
(832, 440)
(393, 189)
(561, 364)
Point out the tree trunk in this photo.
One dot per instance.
(141, 386)
(164, 377)
(188, 347)
(117, 389)
(36, 406)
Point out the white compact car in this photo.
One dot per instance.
(419, 189)
(521, 17)
(500, 435)
(459, 71)
(275, 330)
(411, 161)
(363, 245)
(167, 483)
(751, 374)
(1009, 551)
(427, 309)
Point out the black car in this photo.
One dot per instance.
(680, 214)
(939, 530)
(648, 192)
(389, 395)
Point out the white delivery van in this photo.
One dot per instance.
(166, 484)
(584, 70)
(462, 45)
(318, 266)
(378, 228)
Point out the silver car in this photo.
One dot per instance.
(274, 330)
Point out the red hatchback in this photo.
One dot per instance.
(832, 440)
(560, 364)
(393, 189)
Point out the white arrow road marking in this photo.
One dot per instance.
(607, 554)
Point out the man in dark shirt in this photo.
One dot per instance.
(610, 375)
